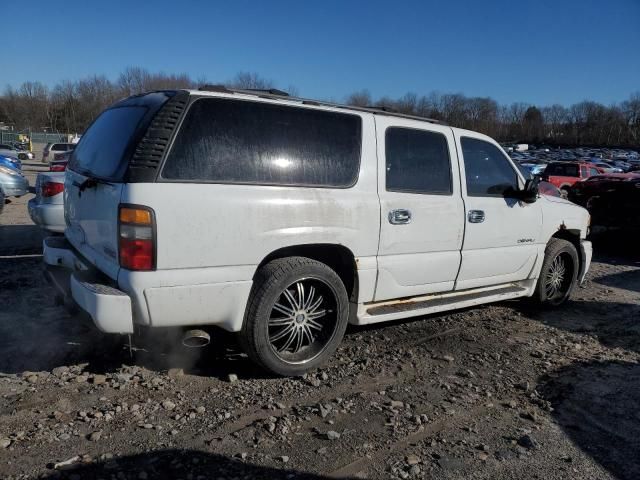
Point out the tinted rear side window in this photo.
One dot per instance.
(417, 161)
(231, 141)
(102, 147)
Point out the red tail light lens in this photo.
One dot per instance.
(136, 238)
(58, 167)
(136, 254)
(49, 189)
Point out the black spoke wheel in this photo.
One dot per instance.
(559, 273)
(296, 315)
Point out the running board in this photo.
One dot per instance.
(426, 304)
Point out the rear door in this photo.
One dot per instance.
(501, 234)
(422, 213)
(95, 179)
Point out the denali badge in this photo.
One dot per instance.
(525, 240)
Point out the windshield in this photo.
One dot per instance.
(101, 149)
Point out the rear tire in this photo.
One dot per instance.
(296, 316)
(559, 273)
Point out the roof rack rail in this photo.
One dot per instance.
(279, 94)
(223, 88)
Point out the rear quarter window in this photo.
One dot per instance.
(238, 141)
(101, 149)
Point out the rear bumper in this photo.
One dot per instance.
(586, 252)
(77, 282)
(49, 216)
(162, 298)
(15, 187)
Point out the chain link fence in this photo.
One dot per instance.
(44, 137)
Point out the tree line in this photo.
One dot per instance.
(70, 106)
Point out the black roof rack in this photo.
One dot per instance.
(222, 88)
(279, 94)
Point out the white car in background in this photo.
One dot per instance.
(46, 209)
(50, 150)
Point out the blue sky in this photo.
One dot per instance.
(535, 51)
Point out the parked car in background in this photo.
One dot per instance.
(60, 161)
(46, 209)
(7, 150)
(607, 167)
(51, 149)
(284, 219)
(613, 200)
(622, 164)
(12, 182)
(565, 174)
(10, 162)
(23, 151)
(535, 168)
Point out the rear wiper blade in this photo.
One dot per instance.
(89, 182)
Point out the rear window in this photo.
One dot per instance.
(231, 141)
(100, 150)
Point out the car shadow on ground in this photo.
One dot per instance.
(21, 239)
(172, 464)
(596, 404)
(629, 280)
(613, 324)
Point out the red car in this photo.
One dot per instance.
(564, 174)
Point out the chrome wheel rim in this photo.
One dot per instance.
(303, 320)
(558, 278)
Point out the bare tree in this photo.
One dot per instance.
(250, 80)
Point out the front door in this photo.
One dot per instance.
(422, 213)
(501, 235)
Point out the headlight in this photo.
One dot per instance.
(8, 171)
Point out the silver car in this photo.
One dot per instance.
(12, 182)
(46, 209)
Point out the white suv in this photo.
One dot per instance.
(284, 219)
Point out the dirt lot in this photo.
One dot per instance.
(503, 391)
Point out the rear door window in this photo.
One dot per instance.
(417, 161)
(101, 149)
(234, 141)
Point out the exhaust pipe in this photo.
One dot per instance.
(196, 339)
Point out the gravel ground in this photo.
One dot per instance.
(501, 391)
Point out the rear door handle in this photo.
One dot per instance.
(475, 216)
(399, 217)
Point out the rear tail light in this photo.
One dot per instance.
(58, 167)
(49, 189)
(136, 242)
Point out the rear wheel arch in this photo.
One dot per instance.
(337, 257)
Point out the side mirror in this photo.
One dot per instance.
(528, 194)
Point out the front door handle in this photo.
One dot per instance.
(475, 216)
(399, 217)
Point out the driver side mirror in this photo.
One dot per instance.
(528, 194)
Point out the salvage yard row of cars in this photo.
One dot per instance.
(325, 215)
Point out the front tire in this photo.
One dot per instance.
(559, 273)
(296, 316)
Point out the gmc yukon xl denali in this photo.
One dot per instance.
(284, 219)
